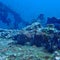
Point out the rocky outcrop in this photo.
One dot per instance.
(34, 34)
(47, 37)
(54, 21)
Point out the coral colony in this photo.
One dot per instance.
(36, 41)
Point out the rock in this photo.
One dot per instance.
(41, 19)
(11, 57)
(35, 25)
(54, 21)
(47, 37)
(56, 56)
(21, 39)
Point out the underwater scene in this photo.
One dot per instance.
(29, 29)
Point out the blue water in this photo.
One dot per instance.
(30, 9)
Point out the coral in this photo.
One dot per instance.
(47, 37)
(34, 44)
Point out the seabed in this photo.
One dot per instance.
(11, 50)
